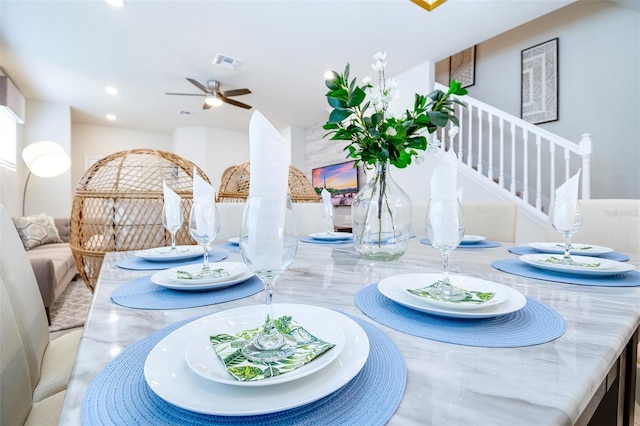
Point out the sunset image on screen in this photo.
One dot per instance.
(341, 180)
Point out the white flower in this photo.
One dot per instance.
(380, 56)
(378, 66)
(366, 81)
(392, 83)
(453, 131)
(391, 131)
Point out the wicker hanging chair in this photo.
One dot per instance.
(117, 206)
(234, 186)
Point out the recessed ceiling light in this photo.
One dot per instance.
(111, 90)
(110, 117)
(115, 3)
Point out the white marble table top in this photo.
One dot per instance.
(447, 384)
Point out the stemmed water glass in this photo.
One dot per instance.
(204, 225)
(445, 229)
(567, 220)
(268, 244)
(172, 221)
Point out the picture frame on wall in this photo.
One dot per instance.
(462, 67)
(539, 82)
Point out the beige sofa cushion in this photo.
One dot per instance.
(36, 230)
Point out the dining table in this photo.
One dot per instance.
(583, 373)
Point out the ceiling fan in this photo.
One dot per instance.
(213, 96)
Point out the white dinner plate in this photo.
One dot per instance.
(415, 281)
(331, 236)
(203, 360)
(579, 249)
(167, 374)
(606, 267)
(162, 278)
(234, 240)
(395, 289)
(161, 254)
(232, 269)
(472, 239)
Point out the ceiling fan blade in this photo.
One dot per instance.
(185, 94)
(236, 103)
(206, 106)
(200, 86)
(236, 92)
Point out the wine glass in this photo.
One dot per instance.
(567, 220)
(445, 229)
(204, 225)
(268, 244)
(328, 217)
(172, 221)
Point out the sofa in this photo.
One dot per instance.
(49, 252)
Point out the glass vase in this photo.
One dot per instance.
(381, 217)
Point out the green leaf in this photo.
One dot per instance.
(337, 115)
(356, 98)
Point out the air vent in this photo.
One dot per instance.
(228, 62)
(183, 112)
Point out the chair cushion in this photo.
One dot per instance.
(56, 365)
(46, 412)
(36, 230)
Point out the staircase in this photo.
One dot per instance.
(520, 160)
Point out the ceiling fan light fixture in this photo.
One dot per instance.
(213, 100)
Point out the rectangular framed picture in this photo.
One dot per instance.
(462, 67)
(341, 180)
(539, 83)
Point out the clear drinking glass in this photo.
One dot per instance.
(268, 244)
(172, 221)
(567, 220)
(445, 229)
(204, 224)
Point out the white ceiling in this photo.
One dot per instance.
(67, 51)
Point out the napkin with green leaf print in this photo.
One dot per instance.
(229, 349)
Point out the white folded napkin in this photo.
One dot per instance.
(566, 202)
(172, 201)
(269, 177)
(444, 186)
(204, 194)
(328, 206)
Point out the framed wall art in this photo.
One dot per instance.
(539, 83)
(462, 67)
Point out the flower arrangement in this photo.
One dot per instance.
(374, 135)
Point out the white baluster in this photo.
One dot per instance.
(552, 167)
(469, 138)
(525, 152)
(513, 158)
(538, 173)
(585, 174)
(567, 157)
(490, 171)
(501, 175)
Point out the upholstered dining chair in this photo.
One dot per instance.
(495, 220)
(34, 370)
(611, 223)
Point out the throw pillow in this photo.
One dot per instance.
(36, 230)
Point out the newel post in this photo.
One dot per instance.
(585, 153)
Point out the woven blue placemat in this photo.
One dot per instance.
(534, 324)
(317, 241)
(119, 395)
(141, 293)
(614, 255)
(140, 264)
(478, 245)
(518, 267)
(233, 248)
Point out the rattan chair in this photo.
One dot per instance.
(234, 186)
(118, 206)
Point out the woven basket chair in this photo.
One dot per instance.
(234, 187)
(117, 206)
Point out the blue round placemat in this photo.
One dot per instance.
(518, 267)
(233, 248)
(317, 241)
(140, 264)
(119, 395)
(141, 293)
(478, 245)
(534, 324)
(614, 255)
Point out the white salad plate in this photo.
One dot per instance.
(472, 239)
(579, 249)
(161, 254)
(168, 375)
(605, 267)
(166, 278)
(203, 360)
(416, 281)
(331, 236)
(395, 288)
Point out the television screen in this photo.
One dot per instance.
(341, 180)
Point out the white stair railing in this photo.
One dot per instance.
(518, 156)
